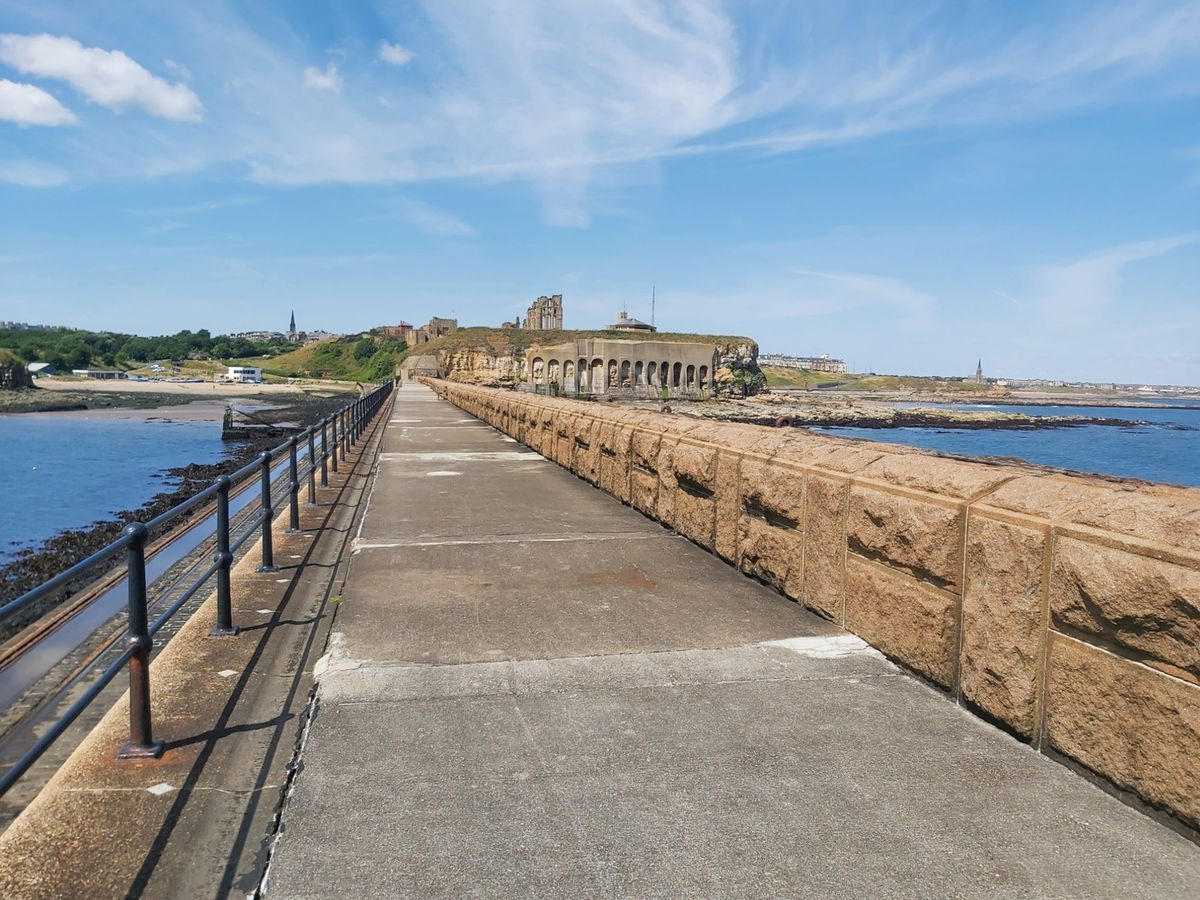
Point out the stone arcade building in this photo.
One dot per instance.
(628, 368)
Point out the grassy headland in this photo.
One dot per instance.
(803, 379)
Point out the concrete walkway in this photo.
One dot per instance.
(532, 690)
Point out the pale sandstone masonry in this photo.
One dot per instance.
(1066, 608)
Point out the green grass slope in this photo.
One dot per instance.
(356, 357)
(803, 379)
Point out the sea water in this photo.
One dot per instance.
(1165, 448)
(67, 471)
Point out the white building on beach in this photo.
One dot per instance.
(243, 375)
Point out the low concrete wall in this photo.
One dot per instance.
(1065, 608)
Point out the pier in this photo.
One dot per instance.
(479, 672)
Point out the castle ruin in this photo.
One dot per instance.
(544, 314)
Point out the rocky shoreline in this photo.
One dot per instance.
(785, 410)
(32, 566)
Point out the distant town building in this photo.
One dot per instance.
(243, 375)
(25, 326)
(979, 379)
(435, 329)
(625, 323)
(545, 313)
(102, 374)
(821, 363)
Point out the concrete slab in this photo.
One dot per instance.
(477, 602)
(744, 784)
(503, 491)
(611, 711)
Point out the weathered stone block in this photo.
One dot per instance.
(908, 620)
(847, 457)
(1154, 513)
(561, 444)
(1135, 726)
(1146, 605)
(773, 488)
(772, 553)
(729, 505)
(921, 538)
(695, 463)
(643, 477)
(825, 547)
(935, 475)
(668, 487)
(615, 459)
(588, 455)
(771, 524)
(646, 444)
(1002, 621)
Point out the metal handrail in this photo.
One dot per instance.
(346, 426)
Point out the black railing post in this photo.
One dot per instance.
(333, 459)
(312, 466)
(324, 453)
(224, 560)
(293, 487)
(268, 514)
(141, 743)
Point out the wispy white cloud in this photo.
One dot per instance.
(327, 79)
(28, 104)
(29, 173)
(555, 92)
(826, 306)
(163, 227)
(395, 54)
(107, 77)
(432, 220)
(1077, 292)
(194, 208)
(849, 290)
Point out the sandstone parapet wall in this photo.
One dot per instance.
(1065, 608)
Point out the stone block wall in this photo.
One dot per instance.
(1064, 608)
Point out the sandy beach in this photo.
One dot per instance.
(194, 388)
(186, 399)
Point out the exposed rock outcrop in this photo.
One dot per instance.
(13, 374)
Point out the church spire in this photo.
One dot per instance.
(292, 326)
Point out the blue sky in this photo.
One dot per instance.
(909, 186)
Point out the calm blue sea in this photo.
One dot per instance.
(1166, 448)
(64, 472)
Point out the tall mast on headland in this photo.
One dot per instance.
(651, 306)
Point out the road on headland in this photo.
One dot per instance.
(532, 690)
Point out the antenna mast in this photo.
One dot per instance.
(651, 306)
